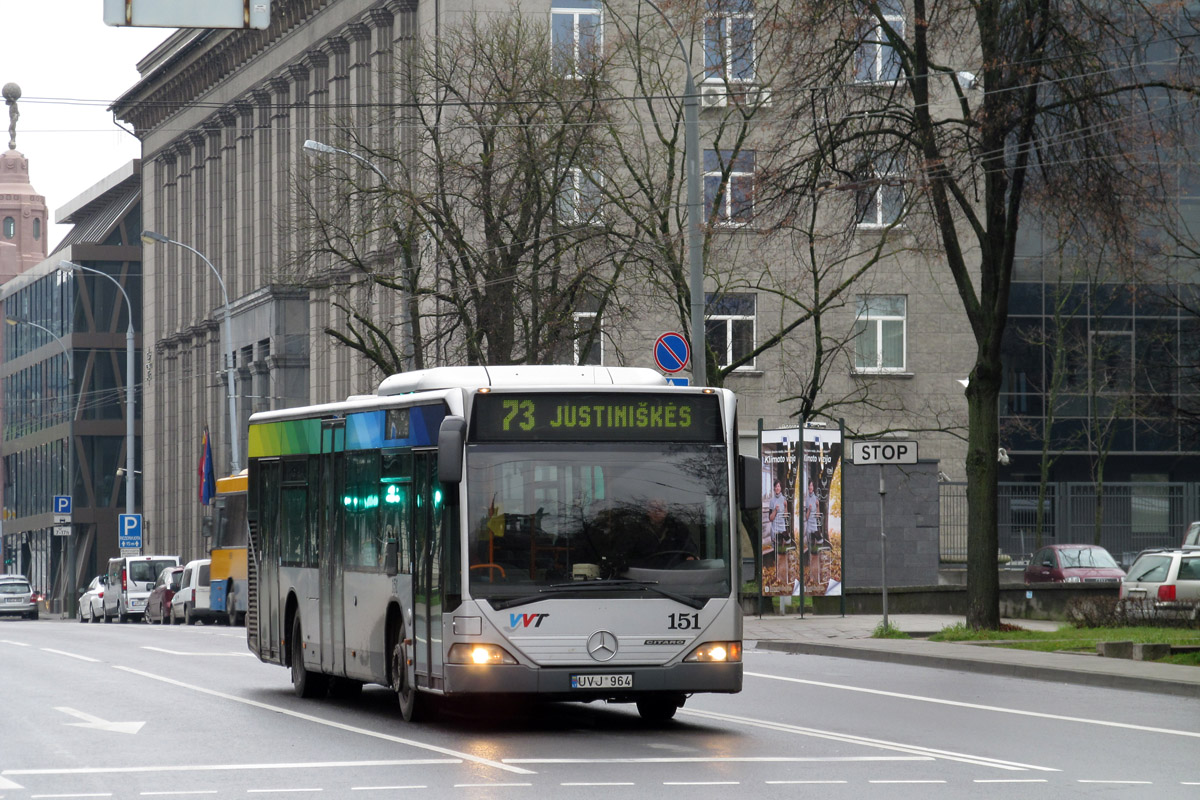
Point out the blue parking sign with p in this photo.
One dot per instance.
(129, 530)
(62, 504)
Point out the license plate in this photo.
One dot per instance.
(601, 681)
(15, 600)
(136, 603)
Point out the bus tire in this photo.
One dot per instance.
(411, 705)
(659, 708)
(304, 683)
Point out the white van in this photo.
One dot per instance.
(130, 579)
(191, 601)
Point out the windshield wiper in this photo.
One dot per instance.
(575, 587)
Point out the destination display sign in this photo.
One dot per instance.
(592, 416)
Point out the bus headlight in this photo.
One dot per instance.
(717, 652)
(479, 655)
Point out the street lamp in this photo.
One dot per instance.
(69, 576)
(407, 332)
(150, 237)
(691, 144)
(129, 376)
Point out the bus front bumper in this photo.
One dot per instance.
(559, 682)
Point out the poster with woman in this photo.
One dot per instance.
(780, 552)
(820, 511)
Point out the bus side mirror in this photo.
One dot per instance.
(450, 450)
(750, 483)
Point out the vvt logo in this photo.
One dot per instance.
(526, 620)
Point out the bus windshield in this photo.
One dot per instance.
(558, 517)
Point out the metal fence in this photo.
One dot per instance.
(1131, 516)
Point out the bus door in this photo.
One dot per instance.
(330, 560)
(427, 572)
(263, 620)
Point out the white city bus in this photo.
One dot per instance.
(474, 531)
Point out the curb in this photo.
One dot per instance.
(967, 663)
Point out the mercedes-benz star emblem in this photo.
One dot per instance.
(602, 645)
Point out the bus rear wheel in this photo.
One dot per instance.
(304, 683)
(659, 708)
(411, 705)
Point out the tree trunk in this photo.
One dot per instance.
(983, 577)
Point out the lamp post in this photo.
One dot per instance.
(691, 144)
(149, 237)
(66, 593)
(407, 333)
(130, 436)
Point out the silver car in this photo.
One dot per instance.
(1164, 583)
(17, 598)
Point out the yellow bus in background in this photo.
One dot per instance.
(228, 570)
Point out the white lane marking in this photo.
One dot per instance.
(231, 767)
(913, 749)
(1119, 783)
(795, 783)
(383, 788)
(976, 706)
(630, 783)
(717, 760)
(489, 785)
(280, 791)
(7, 784)
(97, 794)
(178, 793)
(95, 723)
(1011, 780)
(72, 655)
(902, 781)
(14, 644)
(195, 655)
(701, 783)
(329, 723)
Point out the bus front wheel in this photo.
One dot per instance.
(659, 708)
(304, 683)
(411, 706)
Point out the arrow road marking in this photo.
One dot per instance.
(99, 724)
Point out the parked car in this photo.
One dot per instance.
(1191, 539)
(1164, 583)
(158, 604)
(91, 602)
(130, 579)
(17, 597)
(1072, 563)
(190, 602)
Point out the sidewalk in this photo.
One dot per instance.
(850, 637)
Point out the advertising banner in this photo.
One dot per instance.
(819, 514)
(780, 528)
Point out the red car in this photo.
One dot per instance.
(1073, 563)
(158, 604)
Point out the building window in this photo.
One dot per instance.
(877, 61)
(581, 200)
(880, 198)
(731, 202)
(10, 227)
(879, 333)
(729, 327)
(729, 41)
(589, 338)
(577, 35)
(37, 229)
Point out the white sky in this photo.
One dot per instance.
(70, 67)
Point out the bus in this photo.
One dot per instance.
(469, 532)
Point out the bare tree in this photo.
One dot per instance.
(479, 214)
(978, 103)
